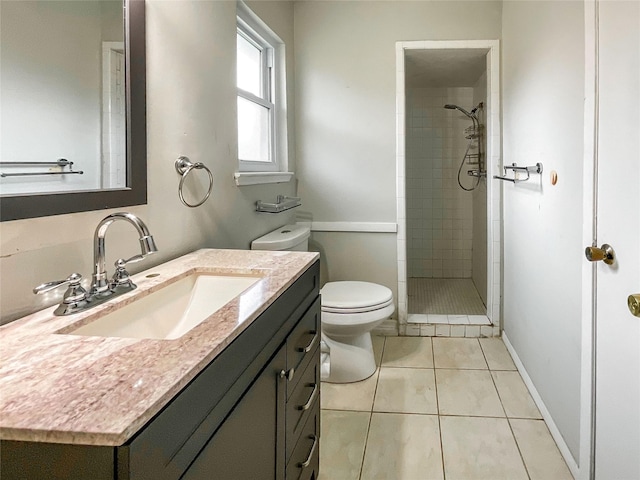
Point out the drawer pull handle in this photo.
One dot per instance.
(307, 462)
(312, 397)
(308, 348)
(288, 374)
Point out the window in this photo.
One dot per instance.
(261, 96)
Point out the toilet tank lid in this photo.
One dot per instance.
(283, 238)
(349, 295)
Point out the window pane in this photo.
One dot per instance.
(249, 66)
(253, 131)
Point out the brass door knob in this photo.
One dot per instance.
(604, 253)
(634, 304)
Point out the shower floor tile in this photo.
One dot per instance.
(444, 296)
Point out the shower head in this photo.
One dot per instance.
(449, 106)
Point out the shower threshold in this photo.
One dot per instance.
(447, 307)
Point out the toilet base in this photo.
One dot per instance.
(351, 358)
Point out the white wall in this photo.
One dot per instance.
(345, 111)
(191, 105)
(543, 90)
(348, 256)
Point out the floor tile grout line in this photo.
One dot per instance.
(379, 369)
(464, 369)
(515, 439)
(480, 416)
(375, 391)
(532, 419)
(493, 380)
(407, 367)
(389, 412)
(484, 356)
(364, 450)
(435, 385)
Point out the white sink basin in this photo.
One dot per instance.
(171, 311)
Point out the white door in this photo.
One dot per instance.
(618, 224)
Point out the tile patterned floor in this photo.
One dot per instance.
(454, 296)
(436, 408)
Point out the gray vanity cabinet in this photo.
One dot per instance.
(253, 413)
(246, 444)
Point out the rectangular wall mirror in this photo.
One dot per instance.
(73, 106)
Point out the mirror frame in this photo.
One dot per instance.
(17, 207)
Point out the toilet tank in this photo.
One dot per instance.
(288, 237)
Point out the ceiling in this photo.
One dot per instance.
(444, 67)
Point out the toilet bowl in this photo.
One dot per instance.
(350, 310)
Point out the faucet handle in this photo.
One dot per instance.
(121, 276)
(123, 262)
(71, 280)
(74, 294)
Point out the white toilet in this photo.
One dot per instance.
(350, 310)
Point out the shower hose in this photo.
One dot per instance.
(460, 170)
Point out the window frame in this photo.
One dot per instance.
(272, 95)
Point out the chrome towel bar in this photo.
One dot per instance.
(29, 174)
(537, 168)
(61, 162)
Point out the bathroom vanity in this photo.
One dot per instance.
(235, 397)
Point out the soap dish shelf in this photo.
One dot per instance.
(283, 203)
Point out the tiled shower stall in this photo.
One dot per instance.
(449, 281)
(439, 212)
(443, 219)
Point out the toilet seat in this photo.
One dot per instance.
(351, 297)
(370, 308)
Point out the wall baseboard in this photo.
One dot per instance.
(551, 425)
(369, 227)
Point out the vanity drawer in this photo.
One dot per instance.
(303, 399)
(302, 342)
(305, 461)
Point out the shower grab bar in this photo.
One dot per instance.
(537, 168)
(61, 162)
(282, 204)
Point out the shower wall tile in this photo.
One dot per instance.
(458, 331)
(472, 331)
(427, 330)
(439, 213)
(443, 331)
(412, 330)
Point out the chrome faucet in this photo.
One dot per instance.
(76, 298)
(147, 246)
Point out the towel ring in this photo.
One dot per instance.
(184, 167)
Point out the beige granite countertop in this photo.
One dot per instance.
(65, 388)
